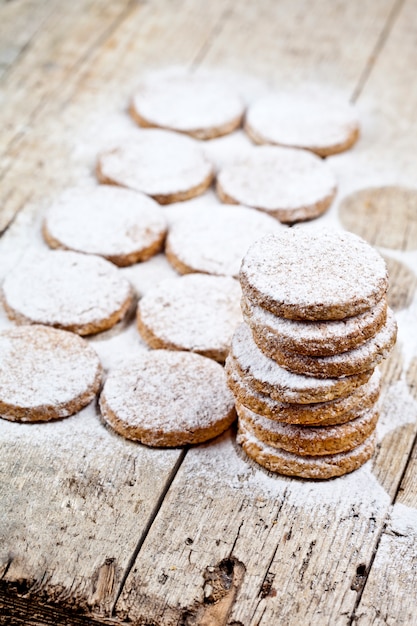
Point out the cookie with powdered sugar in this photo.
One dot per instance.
(320, 338)
(266, 376)
(213, 239)
(338, 411)
(196, 312)
(321, 122)
(200, 106)
(366, 357)
(289, 184)
(305, 274)
(167, 398)
(316, 467)
(45, 373)
(118, 224)
(167, 166)
(311, 441)
(78, 292)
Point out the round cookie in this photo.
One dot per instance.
(196, 105)
(73, 291)
(291, 185)
(317, 122)
(315, 338)
(166, 166)
(305, 274)
(319, 467)
(266, 376)
(196, 312)
(310, 440)
(121, 225)
(214, 239)
(338, 411)
(167, 398)
(45, 373)
(367, 356)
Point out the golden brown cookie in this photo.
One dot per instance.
(121, 225)
(213, 239)
(313, 274)
(366, 357)
(45, 373)
(82, 293)
(291, 185)
(200, 106)
(320, 122)
(309, 440)
(317, 467)
(337, 411)
(164, 165)
(167, 398)
(315, 338)
(196, 312)
(266, 376)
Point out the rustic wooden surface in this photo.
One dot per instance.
(95, 529)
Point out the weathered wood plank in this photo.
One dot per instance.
(19, 24)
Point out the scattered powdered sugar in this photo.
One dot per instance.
(168, 391)
(320, 274)
(194, 104)
(65, 289)
(105, 220)
(214, 238)
(156, 162)
(398, 408)
(272, 178)
(403, 521)
(45, 368)
(304, 119)
(196, 312)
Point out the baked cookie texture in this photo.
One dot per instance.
(201, 106)
(121, 225)
(308, 275)
(165, 165)
(289, 184)
(215, 238)
(45, 373)
(168, 398)
(321, 122)
(81, 293)
(196, 312)
(317, 324)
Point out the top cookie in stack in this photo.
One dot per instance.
(317, 320)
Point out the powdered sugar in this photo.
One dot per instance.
(66, 289)
(360, 359)
(195, 312)
(290, 184)
(158, 163)
(191, 104)
(314, 274)
(309, 337)
(43, 371)
(318, 121)
(281, 384)
(109, 221)
(214, 238)
(165, 393)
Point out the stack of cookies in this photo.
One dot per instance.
(303, 368)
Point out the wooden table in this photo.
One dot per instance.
(98, 530)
